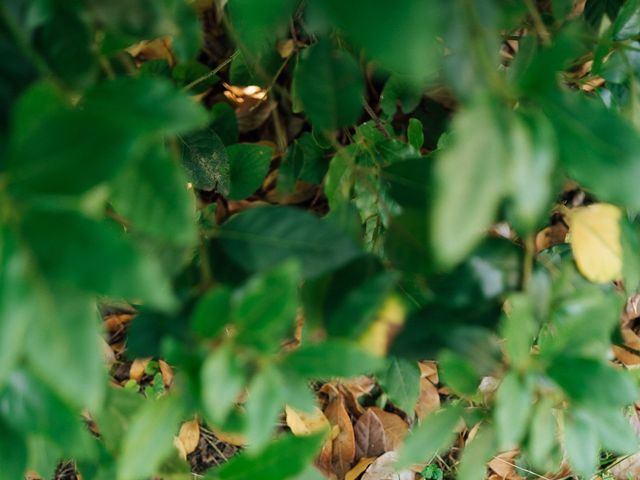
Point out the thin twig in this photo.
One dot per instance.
(538, 23)
(376, 119)
(213, 72)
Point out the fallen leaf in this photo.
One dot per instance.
(231, 438)
(429, 369)
(167, 373)
(370, 436)
(136, 371)
(384, 469)
(344, 445)
(504, 465)
(395, 428)
(188, 437)
(302, 423)
(627, 468)
(360, 467)
(595, 241)
(429, 400)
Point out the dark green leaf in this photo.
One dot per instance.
(205, 160)
(13, 453)
(248, 165)
(212, 313)
(261, 238)
(224, 123)
(329, 83)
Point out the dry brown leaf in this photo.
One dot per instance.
(188, 438)
(231, 438)
(302, 423)
(344, 445)
(323, 460)
(360, 467)
(550, 236)
(429, 400)
(384, 469)
(158, 49)
(395, 428)
(627, 468)
(504, 465)
(136, 371)
(167, 373)
(370, 436)
(429, 369)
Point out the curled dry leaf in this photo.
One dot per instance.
(429, 369)
(628, 331)
(429, 400)
(188, 438)
(302, 423)
(136, 371)
(166, 372)
(158, 49)
(344, 444)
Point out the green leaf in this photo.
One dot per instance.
(581, 445)
(13, 452)
(93, 256)
(205, 160)
(264, 309)
(543, 435)
(402, 39)
(415, 133)
(332, 358)
(248, 165)
(476, 455)
(598, 149)
(401, 381)
(17, 309)
(626, 24)
(51, 159)
(329, 83)
(518, 328)
(224, 122)
(261, 238)
(613, 428)
(584, 379)
(146, 106)
(281, 460)
(212, 313)
(531, 169)
(265, 402)
(149, 439)
(222, 378)
(469, 183)
(257, 24)
(513, 408)
(152, 196)
(458, 373)
(65, 337)
(435, 434)
(28, 406)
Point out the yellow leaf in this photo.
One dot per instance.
(302, 423)
(595, 241)
(188, 438)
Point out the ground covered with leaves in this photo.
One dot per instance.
(307, 239)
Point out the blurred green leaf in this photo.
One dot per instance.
(13, 452)
(432, 436)
(281, 460)
(264, 309)
(153, 196)
(469, 183)
(518, 329)
(223, 378)
(329, 83)
(149, 437)
(212, 313)
(513, 408)
(581, 445)
(477, 454)
(265, 402)
(543, 434)
(401, 382)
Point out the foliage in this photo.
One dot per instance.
(436, 138)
